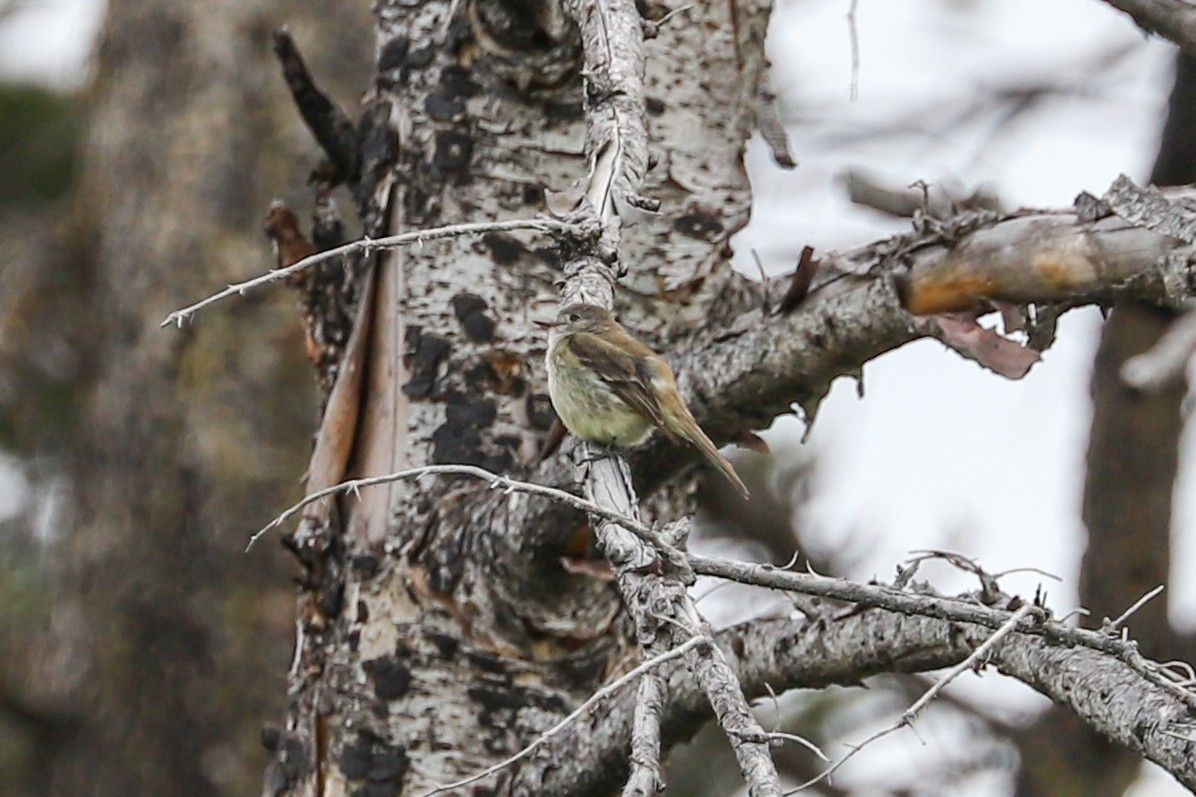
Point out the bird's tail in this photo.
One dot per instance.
(694, 434)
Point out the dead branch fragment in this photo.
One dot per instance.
(861, 304)
(329, 124)
(1047, 258)
(646, 779)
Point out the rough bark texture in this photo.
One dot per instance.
(164, 639)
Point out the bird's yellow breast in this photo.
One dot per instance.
(590, 409)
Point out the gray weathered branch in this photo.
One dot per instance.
(744, 377)
(796, 653)
(744, 374)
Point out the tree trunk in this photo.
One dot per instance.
(443, 632)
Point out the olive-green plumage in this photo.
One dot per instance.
(609, 388)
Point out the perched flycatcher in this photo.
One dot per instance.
(609, 388)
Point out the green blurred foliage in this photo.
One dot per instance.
(39, 133)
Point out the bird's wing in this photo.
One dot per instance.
(627, 373)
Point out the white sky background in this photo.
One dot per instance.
(939, 454)
(49, 41)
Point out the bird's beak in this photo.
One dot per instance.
(545, 324)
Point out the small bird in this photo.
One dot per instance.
(609, 388)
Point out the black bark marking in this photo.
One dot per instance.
(478, 413)
(425, 353)
(533, 194)
(356, 760)
(504, 249)
(366, 565)
(453, 152)
(447, 646)
(394, 55)
(379, 144)
(391, 678)
(442, 108)
(540, 413)
(471, 312)
(702, 226)
(457, 444)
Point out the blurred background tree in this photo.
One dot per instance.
(141, 649)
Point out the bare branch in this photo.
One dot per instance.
(854, 34)
(976, 659)
(496, 480)
(1115, 625)
(654, 591)
(366, 245)
(744, 376)
(1102, 688)
(593, 700)
(1110, 697)
(934, 606)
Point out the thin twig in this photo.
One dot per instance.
(803, 741)
(641, 530)
(1112, 627)
(366, 245)
(889, 599)
(854, 33)
(910, 714)
(595, 698)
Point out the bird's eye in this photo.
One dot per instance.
(574, 317)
